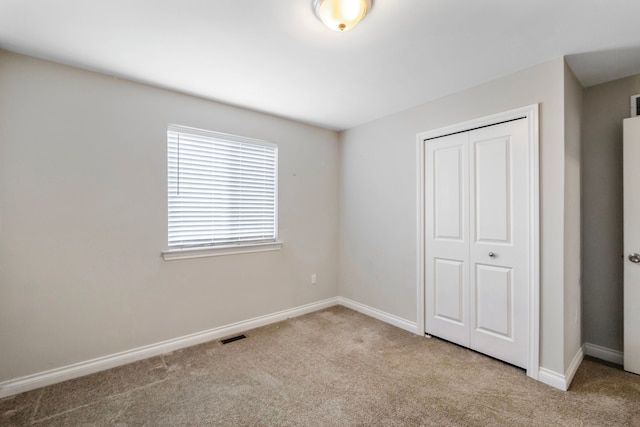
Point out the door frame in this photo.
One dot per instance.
(530, 113)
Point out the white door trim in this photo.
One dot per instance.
(531, 114)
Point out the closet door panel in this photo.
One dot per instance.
(499, 225)
(447, 239)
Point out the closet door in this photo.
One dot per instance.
(447, 238)
(499, 274)
(477, 240)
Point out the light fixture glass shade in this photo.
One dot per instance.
(341, 15)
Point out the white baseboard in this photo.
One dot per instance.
(560, 381)
(380, 315)
(573, 367)
(552, 378)
(41, 379)
(31, 382)
(604, 353)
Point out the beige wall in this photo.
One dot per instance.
(605, 106)
(378, 241)
(83, 219)
(83, 213)
(573, 96)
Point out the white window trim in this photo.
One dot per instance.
(209, 251)
(230, 249)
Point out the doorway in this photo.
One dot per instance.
(479, 236)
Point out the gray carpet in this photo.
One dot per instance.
(334, 367)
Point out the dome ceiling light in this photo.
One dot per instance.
(341, 15)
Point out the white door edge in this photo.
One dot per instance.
(631, 314)
(529, 112)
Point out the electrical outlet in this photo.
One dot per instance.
(314, 279)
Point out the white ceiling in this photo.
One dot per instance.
(275, 56)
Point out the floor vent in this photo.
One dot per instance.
(232, 339)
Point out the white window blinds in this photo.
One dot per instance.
(222, 189)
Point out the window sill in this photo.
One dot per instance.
(175, 254)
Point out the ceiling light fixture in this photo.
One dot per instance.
(341, 15)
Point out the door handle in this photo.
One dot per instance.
(492, 255)
(634, 257)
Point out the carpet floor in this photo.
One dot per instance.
(334, 367)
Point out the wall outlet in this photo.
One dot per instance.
(314, 279)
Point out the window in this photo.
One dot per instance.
(222, 193)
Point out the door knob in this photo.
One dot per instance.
(492, 255)
(634, 258)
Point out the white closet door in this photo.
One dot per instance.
(447, 238)
(499, 229)
(477, 240)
